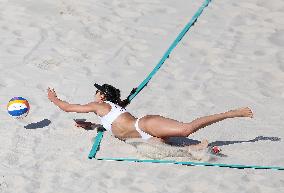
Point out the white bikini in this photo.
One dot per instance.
(115, 111)
(143, 134)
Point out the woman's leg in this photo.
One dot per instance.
(162, 127)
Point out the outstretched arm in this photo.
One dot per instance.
(67, 107)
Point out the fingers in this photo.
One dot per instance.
(50, 89)
(51, 94)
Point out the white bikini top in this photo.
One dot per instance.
(109, 118)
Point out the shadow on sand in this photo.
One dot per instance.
(183, 141)
(38, 125)
(46, 122)
(91, 127)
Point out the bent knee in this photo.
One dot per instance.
(185, 132)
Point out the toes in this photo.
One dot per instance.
(250, 113)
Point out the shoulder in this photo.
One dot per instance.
(99, 108)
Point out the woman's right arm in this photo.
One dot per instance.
(67, 107)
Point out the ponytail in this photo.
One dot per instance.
(112, 94)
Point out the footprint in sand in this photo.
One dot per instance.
(277, 38)
(239, 20)
(280, 60)
(2, 84)
(133, 61)
(259, 53)
(17, 33)
(87, 71)
(12, 159)
(138, 46)
(3, 184)
(47, 64)
(126, 13)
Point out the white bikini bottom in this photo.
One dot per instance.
(143, 134)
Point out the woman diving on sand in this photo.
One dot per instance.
(123, 125)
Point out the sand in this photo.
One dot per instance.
(232, 57)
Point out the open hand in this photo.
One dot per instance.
(51, 94)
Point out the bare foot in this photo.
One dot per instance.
(202, 145)
(242, 112)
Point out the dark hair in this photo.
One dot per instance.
(111, 93)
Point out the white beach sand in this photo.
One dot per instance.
(232, 57)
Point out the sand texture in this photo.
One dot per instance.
(232, 57)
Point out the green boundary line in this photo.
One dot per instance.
(96, 145)
(170, 49)
(236, 166)
(154, 71)
(99, 136)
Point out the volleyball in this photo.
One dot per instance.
(18, 107)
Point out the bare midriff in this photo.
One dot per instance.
(123, 127)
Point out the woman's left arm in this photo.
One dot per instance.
(67, 107)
